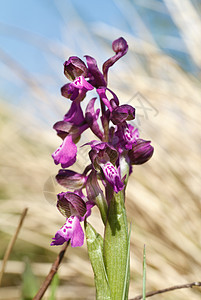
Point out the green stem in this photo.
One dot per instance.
(116, 243)
(144, 275)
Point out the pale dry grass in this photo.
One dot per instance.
(163, 196)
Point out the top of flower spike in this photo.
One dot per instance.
(117, 144)
(120, 47)
(75, 67)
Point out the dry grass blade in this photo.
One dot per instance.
(52, 272)
(188, 21)
(172, 288)
(12, 242)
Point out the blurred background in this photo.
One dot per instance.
(160, 76)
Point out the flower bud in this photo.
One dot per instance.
(70, 179)
(141, 152)
(74, 67)
(120, 45)
(92, 187)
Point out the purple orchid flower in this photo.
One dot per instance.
(74, 67)
(124, 137)
(75, 210)
(77, 89)
(103, 157)
(102, 153)
(117, 150)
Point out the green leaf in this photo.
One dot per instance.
(127, 277)
(116, 244)
(29, 282)
(95, 251)
(144, 275)
(54, 286)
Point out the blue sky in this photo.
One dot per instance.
(49, 18)
(34, 33)
(26, 23)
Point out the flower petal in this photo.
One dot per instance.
(58, 240)
(75, 114)
(95, 76)
(102, 94)
(91, 117)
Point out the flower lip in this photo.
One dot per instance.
(77, 89)
(81, 83)
(66, 153)
(71, 230)
(125, 136)
(112, 176)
